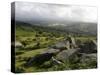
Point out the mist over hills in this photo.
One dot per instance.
(72, 27)
(79, 27)
(67, 18)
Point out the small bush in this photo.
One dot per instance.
(19, 52)
(19, 70)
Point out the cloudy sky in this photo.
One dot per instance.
(38, 12)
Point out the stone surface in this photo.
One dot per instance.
(67, 54)
(60, 45)
(40, 59)
(50, 50)
(68, 43)
(88, 47)
(55, 61)
(88, 57)
(18, 44)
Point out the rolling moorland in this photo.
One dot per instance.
(53, 48)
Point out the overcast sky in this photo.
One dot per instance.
(38, 12)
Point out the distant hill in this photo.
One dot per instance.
(86, 28)
(79, 27)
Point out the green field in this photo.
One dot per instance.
(35, 40)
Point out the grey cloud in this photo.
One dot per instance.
(41, 12)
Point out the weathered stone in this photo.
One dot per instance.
(88, 47)
(51, 51)
(88, 57)
(68, 43)
(93, 44)
(67, 54)
(78, 42)
(55, 61)
(40, 59)
(72, 41)
(60, 45)
(18, 44)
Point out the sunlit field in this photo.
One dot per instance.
(34, 40)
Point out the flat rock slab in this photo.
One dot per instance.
(51, 51)
(18, 44)
(89, 47)
(40, 59)
(89, 57)
(67, 54)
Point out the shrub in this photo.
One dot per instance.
(19, 70)
(19, 52)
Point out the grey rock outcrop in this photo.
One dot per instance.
(67, 54)
(88, 47)
(18, 44)
(50, 50)
(40, 59)
(89, 57)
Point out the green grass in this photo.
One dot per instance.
(31, 36)
(32, 52)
